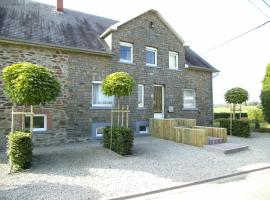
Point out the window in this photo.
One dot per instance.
(189, 98)
(39, 122)
(173, 60)
(99, 131)
(143, 129)
(140, 96)
(126, 52)
(151, 56)
(98, 98)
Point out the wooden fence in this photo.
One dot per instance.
(184, 131)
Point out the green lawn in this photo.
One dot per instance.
(227, 109)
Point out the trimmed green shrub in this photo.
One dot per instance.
(225, 115)
(240, 127)
(236, 95)
(265, 94)
(118, 84)
(122, 139)
(29, 84)
(263, 130)
(20, 150)
(256, 114)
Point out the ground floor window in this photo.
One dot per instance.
(143, 129)
(189, 99)
(98, 98)
(39, 122)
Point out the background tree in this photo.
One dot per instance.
(236, 96)
(265, 94)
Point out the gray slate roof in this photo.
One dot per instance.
(36, 22)
(40, 23)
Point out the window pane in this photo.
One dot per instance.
(99, 131)
(173, 61)
(140, 96)
(150, 57)
(189, 99)
(38, 122)
(99, 97)
(125, 53)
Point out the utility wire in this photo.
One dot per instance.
(259, 8)
(266, 3)
(234, 38)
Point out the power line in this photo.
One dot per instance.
(266, 3)
(259, 8)
(236, 37)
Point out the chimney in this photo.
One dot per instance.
(60, 6)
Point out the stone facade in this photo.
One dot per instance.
(71, 116)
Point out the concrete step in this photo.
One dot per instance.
(214, 140)
(226, 148)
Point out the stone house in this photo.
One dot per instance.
(172, 80)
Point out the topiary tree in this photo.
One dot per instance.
(26, 84)
(236, 96)
(118, 84)
(265, 94)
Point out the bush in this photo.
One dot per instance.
(263, 130)
(122, 139)
(20, 150)
(265, 94)
(225, 115)
(255, 114)
(29, 84)
(240, 127)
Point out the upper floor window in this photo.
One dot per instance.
(126, 52)
(140, 96)
(39, 122)
(173, 60)
(151, 56)
(189, 98)
(98, 98)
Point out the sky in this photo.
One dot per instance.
(203, 25)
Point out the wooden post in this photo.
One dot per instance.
(118, 115)
(12, 118)
(230, 120)
(31, 120)
(111, 128)
(23, 118)
(127, 116)
(122, 121)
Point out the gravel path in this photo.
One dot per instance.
(88, 171)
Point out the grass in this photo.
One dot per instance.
(227, 109)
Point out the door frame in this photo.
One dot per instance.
(160, 115)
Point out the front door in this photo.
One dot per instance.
(158, 101)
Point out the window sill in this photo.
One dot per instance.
(127, 63)
(179, 70)
(141, 108)
(101, 107)
(153, 66)
(190, 109)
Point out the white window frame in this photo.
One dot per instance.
(126, 44)
(153, 50)
(194, 98)
(99, 105)
(141, 105)
(172, 53)
(99, 135)
(144, 132)
(44, 122)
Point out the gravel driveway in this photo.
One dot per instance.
(88, 171)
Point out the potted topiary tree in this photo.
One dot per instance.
(26, 84)
(118, 84)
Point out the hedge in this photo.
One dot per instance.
(263, 130)
(240, 128)
(225, 115)
(122, 140)
(19, 150)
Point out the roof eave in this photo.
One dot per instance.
(202, 68)
(52, 46)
